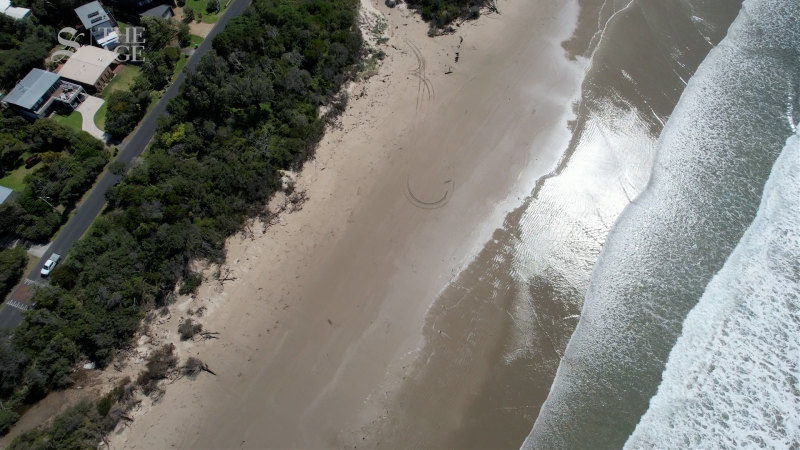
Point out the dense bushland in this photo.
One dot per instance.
(70, 163)
(24, 45)
(250, 110)
(12, 263)
(162, 41)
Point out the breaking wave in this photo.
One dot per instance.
(713, 159)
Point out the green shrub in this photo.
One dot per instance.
(7, 418)
(190, 283)
(107, 401)
(126, 108)
(159, 364)
(172, 53)
(188, 14)
(12, 264)
(188, 329)
(442, 12)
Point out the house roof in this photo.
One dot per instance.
(92, 14)
(5, 194)
(33, 87)
(87, 64)
(17, 13)
(13, 11)
(163, 11)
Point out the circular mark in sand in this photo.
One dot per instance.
(449, 185)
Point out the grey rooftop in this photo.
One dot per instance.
(28, 91)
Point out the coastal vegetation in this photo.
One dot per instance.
(247, 112)
(88, 422)
(26, 44)
(23, 46)
(440, 13)
(126, 107)
(83, 425)
(12, 264)
(70, 162)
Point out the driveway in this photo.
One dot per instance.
(88, 109)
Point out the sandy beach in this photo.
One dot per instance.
(419, 283)
(322, 313)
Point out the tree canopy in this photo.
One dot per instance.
(249, 110)
(441, 13)
(70, 163)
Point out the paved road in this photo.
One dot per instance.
(93, 204)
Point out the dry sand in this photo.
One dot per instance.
(322, 312)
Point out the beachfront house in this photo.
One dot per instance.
(99, 24)
(40, 92)
(91, 67)
(14, 12)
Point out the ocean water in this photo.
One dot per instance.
(732, 379)
(713, 159)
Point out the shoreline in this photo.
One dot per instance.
(325, 309)
(318, 300)
(420, 285)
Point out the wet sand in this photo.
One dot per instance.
(327, 306)
(496, 335)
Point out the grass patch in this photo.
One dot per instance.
(15, 180)
(122, 81)
(100, 116)
(195, 39)
(73, 121)
(180, 65)
(200, 8)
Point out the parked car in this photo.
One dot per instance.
(32, 161)
(50, 264)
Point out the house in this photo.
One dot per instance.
(99, 23)
(131, 10)
(40, 92)
(5, 194)
(91, 67)
(160, 11)
(13, 11)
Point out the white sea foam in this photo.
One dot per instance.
(733, 377)
(713, 159)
